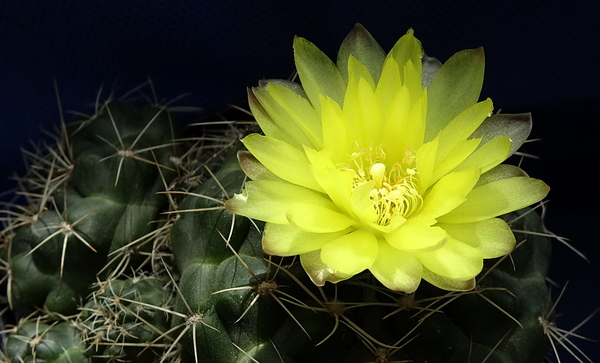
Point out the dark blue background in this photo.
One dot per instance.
(541, 56)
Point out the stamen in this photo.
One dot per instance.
(395, 193)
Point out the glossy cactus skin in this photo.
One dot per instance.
(107, 200)
(43, 343)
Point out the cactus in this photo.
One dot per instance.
(134, 248)
(92, 208)
(116, 321)
(34, 341)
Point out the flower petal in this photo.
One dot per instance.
(336, 133)
(287, 240)
(253, 168)
(335, 182)
(412, 79)
(360, 44)
(425, 163)
(266, 122)
(516, 127)
(291, 85)
(298, 132)
(455, 260)
(462, 126)
(358, 71)
(397, 270)
(413, 127)
(318, 219)
(282, 159)
(488, 155)
(319, 272)
(318, 74)
(396, 122)
(361, 203)
(269, 200)
(299, 110)
(416, 235)
(502, 171)
(446, 283)
(493, 237)
(362, 110)
(459, 154)
(496, 198)
(430, 67)
(351, 253)
(448, 193)
(408, 48)
(389, 83)
(455, 87)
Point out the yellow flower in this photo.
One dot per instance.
(384, 163)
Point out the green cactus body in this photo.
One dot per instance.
(120, 321)
(368, 321)
(109, 200)
(35, 342)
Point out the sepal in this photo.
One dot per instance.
(360, 44)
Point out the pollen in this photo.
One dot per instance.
(395, 191)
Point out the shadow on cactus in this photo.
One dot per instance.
(369, 218)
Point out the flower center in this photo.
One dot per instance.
(395, 191)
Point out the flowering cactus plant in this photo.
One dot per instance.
(383, 172)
